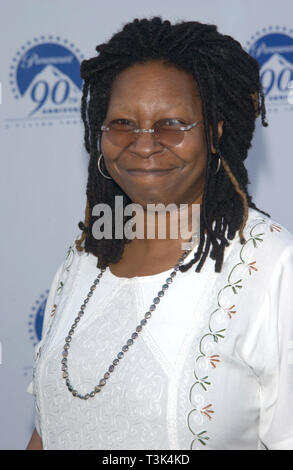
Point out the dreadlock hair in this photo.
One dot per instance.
(228, 81)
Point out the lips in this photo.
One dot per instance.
(149, 172)
(149, 169)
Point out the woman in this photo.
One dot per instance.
(146, 345)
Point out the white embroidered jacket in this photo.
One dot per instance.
(212, 369)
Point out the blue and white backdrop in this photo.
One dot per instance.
(44, 165)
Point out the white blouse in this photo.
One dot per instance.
(212, 369)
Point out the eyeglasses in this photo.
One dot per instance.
(169, 132)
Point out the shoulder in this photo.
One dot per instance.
(77, 260)
(267, 244)
(269, 232)
(74, 254)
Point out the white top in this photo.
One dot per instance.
(212, 369)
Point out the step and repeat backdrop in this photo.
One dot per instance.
(44, 164)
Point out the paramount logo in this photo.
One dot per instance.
(29, 60)
(45, 83)
(263, 48)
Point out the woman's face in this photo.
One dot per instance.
(145, 94)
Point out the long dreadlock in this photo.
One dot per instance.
(229, 85)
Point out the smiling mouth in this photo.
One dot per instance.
(141, 172)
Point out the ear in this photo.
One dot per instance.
(220, 132)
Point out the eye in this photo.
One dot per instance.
(170, 123)
(122, 121)
(122, 124)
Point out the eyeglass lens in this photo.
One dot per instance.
(166, 131)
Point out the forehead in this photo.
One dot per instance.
(153, 84)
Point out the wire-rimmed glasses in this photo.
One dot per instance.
(169, 132)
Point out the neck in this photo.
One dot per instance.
(164, 231)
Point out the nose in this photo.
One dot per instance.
(145, 144)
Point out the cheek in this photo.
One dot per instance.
(105, 146)
(111, 154)
(193, 153)
(194, 147)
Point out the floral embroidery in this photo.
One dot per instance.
(207, 411)
(256, 237)
(230, 311)
(207, 358)
(201, 438)
(69, 257)
(200, 412)
(213, 359)
(236, 286)
(250, 267)
(53, 310)
(66, 268)
(60, 287)
(203, 382)
(275, 227)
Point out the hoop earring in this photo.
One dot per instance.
(219, 161)
(99, 168)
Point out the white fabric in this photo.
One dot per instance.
(213, 368)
